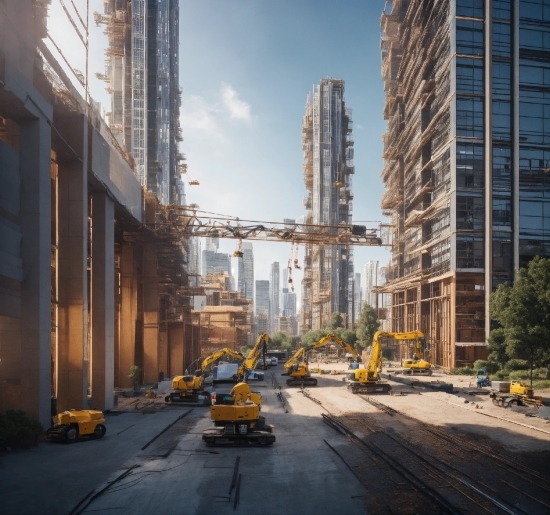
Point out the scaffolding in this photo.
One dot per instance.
(430, 292)
(327, 145)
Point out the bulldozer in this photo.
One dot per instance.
(237, 419)
(188, 389)
(73, 425)
(297, 367)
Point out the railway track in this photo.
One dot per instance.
(428, 470)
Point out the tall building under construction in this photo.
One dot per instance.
(328, 166)
(142, 74)
(466, 161)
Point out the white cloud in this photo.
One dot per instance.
(359, 126)
(197, 113)
(238, 108)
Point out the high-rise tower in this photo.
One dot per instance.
(328, 165)
(274, 294)
(246, 271)
(142, 72)
(466, 161)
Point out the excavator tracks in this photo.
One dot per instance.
(302, 382)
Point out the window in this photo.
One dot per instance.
(470, 166)
(469, 117)
(470, 8)
(469, 37)
(502, 215)
(469, 75)
(502, 9)
(469, 213)
(502, 78)
(502, 120)
(469, 252)
(502, 39)
(502, 167)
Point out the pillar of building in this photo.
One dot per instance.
(72, 353)
(35, 220)
(150, 315)
(126, 348)
(102, 301)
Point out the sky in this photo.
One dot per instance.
(246, 67)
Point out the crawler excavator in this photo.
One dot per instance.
(237, 419)
(417, 365)
(367, 380)
(297, 368)
(188, 389)
(251, 362)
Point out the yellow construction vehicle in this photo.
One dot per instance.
(188, 389)
(417, 365)
(297, 368)
(367, 380)
(251, 362)
(74, 425)
(237, 419)
(520, 395)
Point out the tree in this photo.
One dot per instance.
(336, 321)
(523, 313)
(276, 340)
(135, 376)
(313, 336)
(367, 325)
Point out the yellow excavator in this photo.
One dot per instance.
(188, 389)
(417, 365)
(249, 364)
(297, 367)
(237, 419)
(367, 380)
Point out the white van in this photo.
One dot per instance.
(274, 361)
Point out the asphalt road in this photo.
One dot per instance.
(177, 473)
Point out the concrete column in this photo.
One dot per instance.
(103, 300)
(128, 307)
(150, 315)
(73, 286)
(35, 219)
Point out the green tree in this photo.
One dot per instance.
(276, 340)
(523, 313)
(135, 376)
(313, 336)
(336, 321)
(367, 325)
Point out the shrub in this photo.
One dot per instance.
(519, 374)
(517, 364)
(481, 363)
(15, 424)
(541, 373)
(463, 371)
(500, 375)
(541, 383)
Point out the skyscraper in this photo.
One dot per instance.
(328, 166)
(246, 271)
(466, 161)
(370, 280)
(274, 293)
(142, 73)
(261, 301)
(215, 263)
(289, 303)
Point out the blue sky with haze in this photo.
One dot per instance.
(246, 67)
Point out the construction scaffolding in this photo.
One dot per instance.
(327, 145)
(430, 289)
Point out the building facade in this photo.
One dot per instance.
(246, 271)
(466, 161)
(274, 289)
(142, 73)
(328, 167)
(370, 281)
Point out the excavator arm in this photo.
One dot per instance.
(294, 359)
(215, 356)
(258, 351)
(332, 338)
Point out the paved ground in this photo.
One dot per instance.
(177, 473)
(311, 469)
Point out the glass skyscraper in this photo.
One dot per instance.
(467, 161)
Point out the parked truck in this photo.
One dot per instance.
(520, 394)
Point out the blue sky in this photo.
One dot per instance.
(246, 67)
